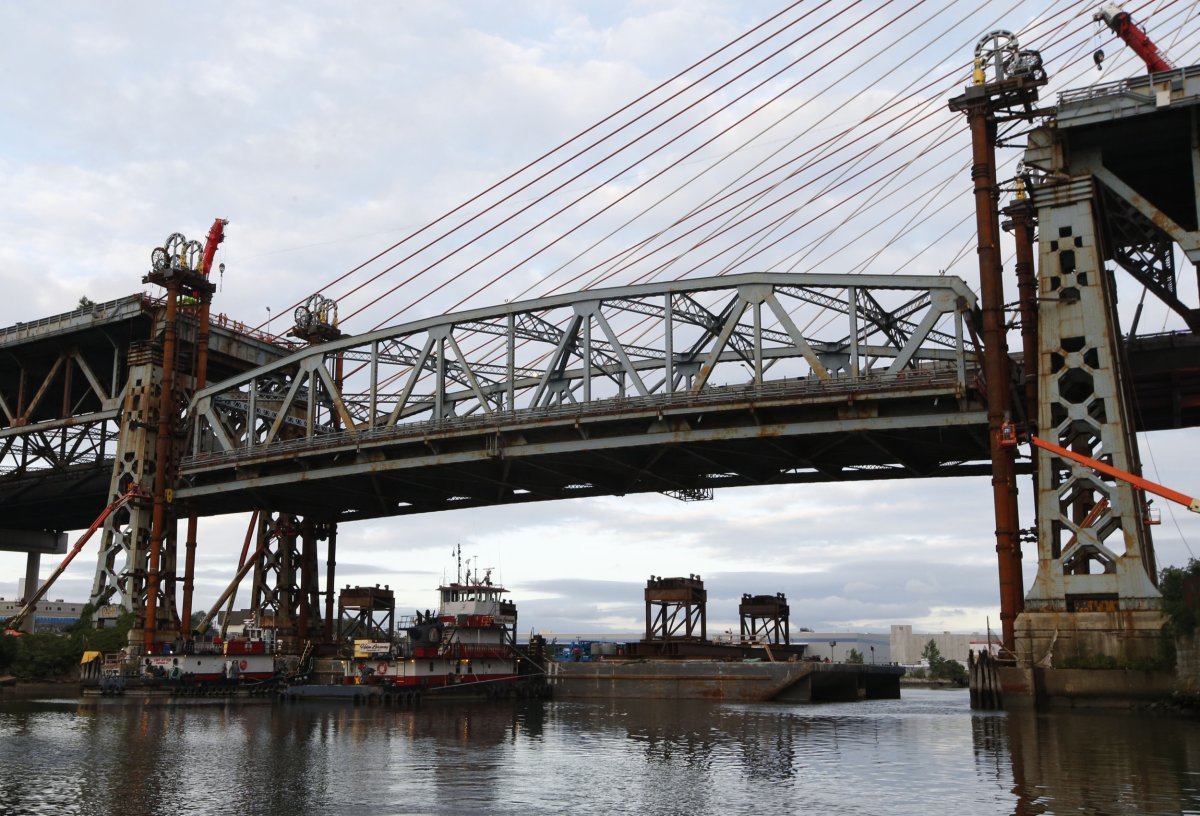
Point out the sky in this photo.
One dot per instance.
(325, 133)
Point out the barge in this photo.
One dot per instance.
(676, 660)
(741, 681)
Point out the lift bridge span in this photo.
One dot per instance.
(678, 388)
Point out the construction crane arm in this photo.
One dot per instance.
(16, 620)
(1124, 27)
(1009, 437)
(216, 234)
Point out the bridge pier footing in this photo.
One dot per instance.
(1126, 638)
(1116, 659)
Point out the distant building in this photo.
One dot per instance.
(907, 646)
(236, 622)
(56, 614)
(874, 648)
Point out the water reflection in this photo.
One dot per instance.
(1101, 762)
(927, 753)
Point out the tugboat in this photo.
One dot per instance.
(467, 648)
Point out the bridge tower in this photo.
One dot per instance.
(138, 548)
(286, 585)
(1113, 182)
(120, 567)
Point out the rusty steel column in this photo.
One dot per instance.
(308, 565)
(996, 365)
(330, 581)
(1023, 223)
(201, 351)
(162, 457)
(189, 567)
(1005, 83)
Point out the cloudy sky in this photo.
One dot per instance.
(327, 133)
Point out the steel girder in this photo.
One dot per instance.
(62, 381)
(677, 388)
(575, 349)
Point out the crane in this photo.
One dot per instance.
(1009, 437)
(216, 234)
(1124, 27)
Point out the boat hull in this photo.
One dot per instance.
(401, 694)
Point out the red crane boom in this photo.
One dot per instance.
(1124, 27)
(1009, 437)
(216, 234)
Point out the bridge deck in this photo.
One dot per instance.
(786, 432)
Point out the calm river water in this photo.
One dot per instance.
(924, 754)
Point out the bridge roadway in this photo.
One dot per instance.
(63, 380)
(776, 433)
(738, 396)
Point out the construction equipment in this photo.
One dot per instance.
(132, 493)
(1124, 27)
(1010, 437)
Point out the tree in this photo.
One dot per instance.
(932, 654)
(1183, 618)
(85, 302)
(941, 668)
(854, 657)
(56, 655)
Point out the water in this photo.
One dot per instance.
(924, 754)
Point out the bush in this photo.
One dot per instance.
(9, 647)
(56, 656)
(1102, 661)
(950, 670)
(1182, 619)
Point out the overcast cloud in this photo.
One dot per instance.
(324, 133)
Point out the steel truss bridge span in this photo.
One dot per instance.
(676, 387)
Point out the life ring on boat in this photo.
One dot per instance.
(381, 667)
(242, 665)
